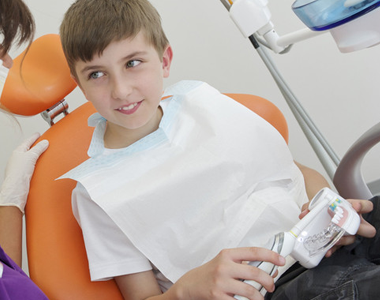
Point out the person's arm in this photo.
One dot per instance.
(216, 280)
(11, 232)
(14, 192)
(314, 181)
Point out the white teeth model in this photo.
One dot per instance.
(350, 3)
(338, 215)
(129, 107)
(317, 241)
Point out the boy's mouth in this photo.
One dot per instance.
(129, 109)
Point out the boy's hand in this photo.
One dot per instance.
(221, 278)
(365, 229)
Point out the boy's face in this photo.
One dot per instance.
(125, 85)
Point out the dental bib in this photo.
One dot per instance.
(196, 185)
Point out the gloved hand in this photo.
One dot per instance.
(15, 188)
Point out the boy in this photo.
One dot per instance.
(171, 183)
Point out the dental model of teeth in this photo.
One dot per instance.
(320, 241)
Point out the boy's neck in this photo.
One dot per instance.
(117, 137)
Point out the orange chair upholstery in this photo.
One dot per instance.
(266, 109)
(33, 89)
(56, 252)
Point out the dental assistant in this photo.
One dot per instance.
(16, 24)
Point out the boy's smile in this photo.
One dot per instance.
(125, 84)
(130, 109)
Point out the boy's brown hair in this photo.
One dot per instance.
(89, 26)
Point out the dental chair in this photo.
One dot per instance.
(56, 253)
(348, 178)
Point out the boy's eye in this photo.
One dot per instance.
(95, 75)
(133, 63)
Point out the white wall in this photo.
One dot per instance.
(340, 91)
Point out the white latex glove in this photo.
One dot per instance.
(15, 188)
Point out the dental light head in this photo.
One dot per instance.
(354, 24)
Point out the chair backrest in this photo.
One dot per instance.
(56, 252)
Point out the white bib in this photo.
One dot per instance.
(186, 191)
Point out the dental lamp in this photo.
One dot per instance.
(354, 25)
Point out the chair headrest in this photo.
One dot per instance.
(42, 80)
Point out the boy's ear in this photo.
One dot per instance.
(75, 79)
(167, 60)
(78, 84)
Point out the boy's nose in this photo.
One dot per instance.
(121, 89)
